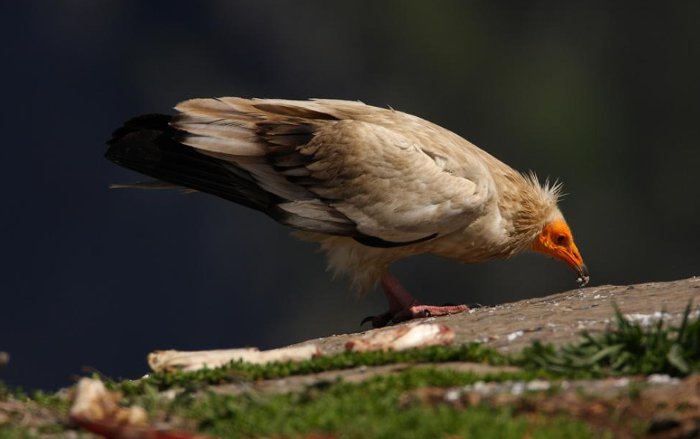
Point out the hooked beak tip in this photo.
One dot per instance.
(583, 276)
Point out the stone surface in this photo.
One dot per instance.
(559, 318)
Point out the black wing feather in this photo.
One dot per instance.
(149, 144)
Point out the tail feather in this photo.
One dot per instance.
(150, 185)
(147, 144)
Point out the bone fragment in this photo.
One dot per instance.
(171, 360)
(93, 402)
(402, 337)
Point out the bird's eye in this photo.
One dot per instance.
(560, 239)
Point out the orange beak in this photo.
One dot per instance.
(557, 241)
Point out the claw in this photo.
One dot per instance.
(402, 306)
(414, 312)
(379, 321)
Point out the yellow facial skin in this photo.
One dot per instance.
(557, 241)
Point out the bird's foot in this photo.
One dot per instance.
(402, 306)
(413, 312)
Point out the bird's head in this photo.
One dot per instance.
(556, 240)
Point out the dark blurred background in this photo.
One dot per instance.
(603, 96)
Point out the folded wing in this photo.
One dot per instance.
(337, 167)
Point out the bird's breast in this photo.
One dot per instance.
(484, 239)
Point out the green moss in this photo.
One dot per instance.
(39, 407)
(239, 371)
(15, 432)
(50, 401)
(7, 392)
(373, 409)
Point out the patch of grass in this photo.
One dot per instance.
(628, 349)
(50, 401)
(39, 397)
(239, 371)
(15, 432)
(30, 416)
(7, 392)
(373, 409)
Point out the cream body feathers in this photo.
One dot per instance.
(371, 185)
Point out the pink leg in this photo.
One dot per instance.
(402, 306)
(397, 296)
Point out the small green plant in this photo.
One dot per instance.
(628, 349)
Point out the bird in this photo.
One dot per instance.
(370, 185)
